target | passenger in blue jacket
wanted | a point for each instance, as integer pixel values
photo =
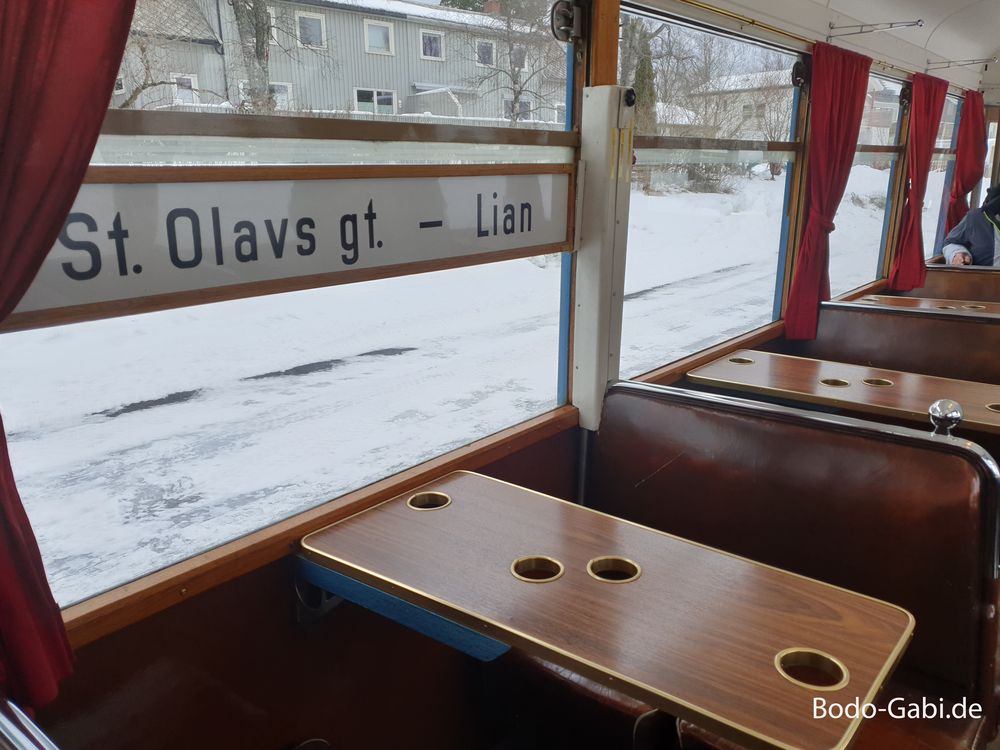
(975, 240)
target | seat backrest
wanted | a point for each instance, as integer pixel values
(959, 283)
(928, 343)
(885, 511)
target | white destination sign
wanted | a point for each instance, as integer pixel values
(127, 241)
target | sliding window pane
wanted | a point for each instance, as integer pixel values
(139, 441)
(703, 244)
(880, 120)
(936, 201)
(856, 244)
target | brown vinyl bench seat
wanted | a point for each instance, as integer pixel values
(889, 512)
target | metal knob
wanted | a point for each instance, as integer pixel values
(945, 415)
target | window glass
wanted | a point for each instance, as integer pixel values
(176, 431)
(484, 54)
(703, 245)
(694, 83)
(432, 45)
(857, 241)
(988, 177)
(522, 112)
(379, 37)
(310, 31)
(185, 89)
(705, 224)
(495, 51)
(936, 201)
(880, 120)
(947, 131)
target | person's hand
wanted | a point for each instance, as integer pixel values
(961, 259)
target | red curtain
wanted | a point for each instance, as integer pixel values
(839, 86)
(970, 161)
(926, 104)
(58, 63)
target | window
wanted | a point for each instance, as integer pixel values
(431, 45)
(281, 92)
(192, 427)
(524, 109)
(705, 224)
(378, 37)
(272, 17)
(862, 221)
(185, 88)
(375, 101)
(119, 85)
(311, 28)
(561, 114)
(485, 53)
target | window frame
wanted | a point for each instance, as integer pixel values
(493, 54)
(368, 24)
(272, 17)
(299, 14)
(375, 92)
(196, 99)
(432, 32)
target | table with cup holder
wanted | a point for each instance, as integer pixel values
(740, 647)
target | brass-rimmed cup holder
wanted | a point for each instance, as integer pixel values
(614, 569)
(834, 382)
(973, 307)
(429, 501)
(811, 669)
(741, 360)
(536, 569)
(993, 407)
(877, 382)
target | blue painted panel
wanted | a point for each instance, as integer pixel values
(415, 618)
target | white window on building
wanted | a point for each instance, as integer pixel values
(431, 45)
(282, 93)
(272, 17)
(311, 29)
(375, 101)
(119, 85)
(485, 53)
(185, 88)
(561, 114)
(379, 37)
(523, 109)
(747, 111)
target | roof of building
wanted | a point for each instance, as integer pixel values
(174, 19)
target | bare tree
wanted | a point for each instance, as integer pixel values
(526, 59)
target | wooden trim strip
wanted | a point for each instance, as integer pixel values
(674, 371)
(866, 148)
(116, 609)
(151, 174)
(952, 151)
(137, 305)
(714, 144)
(138, 122)
(872, 287)
(605, 21)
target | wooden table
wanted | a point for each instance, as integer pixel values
(922, 304)
(697, 633)
(902, 395)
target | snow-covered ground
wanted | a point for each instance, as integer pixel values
(139, 441)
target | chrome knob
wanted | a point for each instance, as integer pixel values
(945, 415)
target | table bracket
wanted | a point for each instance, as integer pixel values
(340, 587)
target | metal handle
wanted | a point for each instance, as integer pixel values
(945, 415)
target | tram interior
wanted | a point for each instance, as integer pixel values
(689, 270)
